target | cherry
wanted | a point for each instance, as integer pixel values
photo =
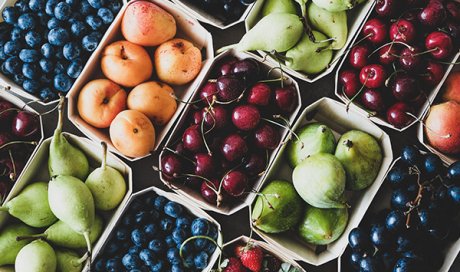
(267, 137)
(192, 139)
(403, 31)
(286, 98)
(397, 115)
(193, 182)
(11, 170)
(350, 82)
(6, 112)
(235, 183)
(411, 16)
(208, 92)
(388, 54)
(226, 65)
(246, 117)
(229, 88)
(215, 117)
(197, 117)
(248, 69)
(234, 147)
(385, 8)
(453, 10)
(376, 31)
(208, 190)
(373, 76)
(433, 14)
(359, 56)
(180, 149)
(415, 3)
(255, 163)
(441, 43)
(5, 137)
(410, 60)
(259, 94)
(453, 28)
(405, 88)
(204, 165)
(171, 166)
(373, 100)
(433, 73)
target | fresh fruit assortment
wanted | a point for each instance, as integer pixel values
(158, 234)
(400, 57)
(225, 139)
(314, 204)
(420, 224)
(54, 223)
(128, 101)
(44, 45)
(20, 132)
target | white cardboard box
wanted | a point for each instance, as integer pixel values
(187, 28)
(356, 18)
(195, 196)
(334, 115)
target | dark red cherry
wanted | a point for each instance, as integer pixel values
(373, 100)
(259, 94)
(376, 31)
(171, 166)
(248, 69)
(208, 92)
(235, 183)
(193, 182)
(386, 8)
(411, 60)
(440, 43)
(12, 171)
(388, 54)
(215, 117)
(286, 98)
(350, 82)
(204, 165)
(225, 66)
(5, 137)
(6, 112)
(405, 88)
(434, 14)
(373, 76)
(453, 10)
(397, 115)
(453, 29)
(255, 163)
(229, 88)
(246, 117)
(193, 139)
(197, 117)
(267, 137)
(359, 56)
(403, 31)
(411, 16)
(433, 73)
(234, 147)
(208, 190)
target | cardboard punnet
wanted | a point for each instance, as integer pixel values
(187, 28)
(195, 196)
(6, 95)
(356, 17)
(382, 201)
(197, 11)
(449, 159)
(335, 116)
(37, 170)
(172, 197)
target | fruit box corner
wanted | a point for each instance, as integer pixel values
(334, 115)
(191, 194)
(356, 18)
(188, 28)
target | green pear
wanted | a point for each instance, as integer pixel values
(333, 24)
(337, 5)
(7, 269)
(68, 261)
(9, 247)
(278, 6)
(322, 226)
(106, 184)
(276, 31)
(313, 138)
(72, 202)
(310, 57)
(31, 206)
(64, 158)
(320, 181)
(62, 235)
(361, 156)
(38, 256)
(278, 208)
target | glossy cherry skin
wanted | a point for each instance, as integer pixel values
(204, 165)
(373, 76)
(388, 54)
(171, 166)
(197, 117)
(215, 117)
(359, 55)
(193, 139)
(433, 73)
(405, 88)
(259, 95)
(234, 147)
(397, 115)
(385, 8)
(453, 28)
(403, 31)
(350, 82)
(6, 112)
(453, 10)
(410, 60)
(25, 124)
(229, 88)
(255, 163)
(208, 92)
(225, 66)
(373, 100)
(246, 117)
(248, 69)
(377, 31)
(235, 183)
(267, 137)
(286, 98)
(208, 190)
(433, 14)
(441, 42)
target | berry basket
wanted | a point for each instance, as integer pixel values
(334, 115)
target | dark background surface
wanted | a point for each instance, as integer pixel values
(238, 224)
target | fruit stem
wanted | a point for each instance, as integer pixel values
(348, 144)
(81, 260)
(428, 128)
(286, 126)
(60, 123)
(218, 245)
(280, 67)
(88, 245)
(203, 135)
(395, 72)
(17, 142)
(4, 209)
(225, 48)
(179, 154)
(391, 45)
(426, 52)
(31, 237)
(104, 155)
(13, 175)
(357, 94)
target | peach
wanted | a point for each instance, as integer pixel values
(177, 61)
(147, 24)
(132, 133)
(155, 100)
(452, 87)
(100, 101)
(443, 127)
(126, 63)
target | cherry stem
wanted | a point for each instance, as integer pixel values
(448, 63)
(280, 67)
(391, 45)
(17, 142)
(231, 101)
(179, 154)
(395, 72)
(424, 125)
(13, 175)
(426, 52)
(203, 135)
(286, 126)
(357, 94)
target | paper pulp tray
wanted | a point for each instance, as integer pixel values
(6, 95)
(356, 17)
(381, 201)
(449, 159)
(195, 196)
(37, 170)
(201, 14)
(187, 28)
(18, 89)
(172, 197)
(334, 115)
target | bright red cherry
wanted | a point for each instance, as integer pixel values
(440, 43)
(286, 98)
(403, 31)
(388, 54)
(235, 183)
(376, 31)
(433, 73)
(373, 100)
(385, 8)
(397, 115)
(246, 117)
(259, 94)
(373, 76)
(204, 165)
(433, 14)
(350, 82)
(411, 59)
(359, 56)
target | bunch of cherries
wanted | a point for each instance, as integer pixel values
(234, 123)
(401, 55)
(19, 134)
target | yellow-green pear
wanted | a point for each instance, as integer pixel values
(68, 261)
(333, 24)
(278, 6)
(38, 256)
(9, 247)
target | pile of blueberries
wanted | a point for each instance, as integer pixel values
(150, 235)
(228, 10)
(44, 44)
(422, 223)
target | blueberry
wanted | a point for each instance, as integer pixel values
(33, 39)
(46, 65)
(122, 234)
(380, 236)
(114, 265)
(157, 245)
(29, 55)
(98, 35)
(183, 222)
(60, 53)
(3, 56)
(112, 248)
(10, 15)
(127, 220)
(59, 68)
(93, 21)
(410, 155)
(454, 193)
(99, 265)
(62, 11)
(58, 36)
(213, 232)
(46, 79)
(78, 28)
(201, 260)
(16, 34)
(170, 241)
(200, 226)
(3, 69)
(62, 83)
(173, 209)
(131, 261)
(27, 21)
(71, 51)
(179, 235)
(188, 261)
(406, 265)
(74, 17)
(157, 267)
(114, 6)
(12, 48)
(106, 15)
(154, 215)
(150, 230)
(453, 171)
(173, 256)
(210, 248)
(49, 7)
(90, 42)
(72, 3)
(19, 78)
(53, 23)
(134, 250)
(96, 4)
(177, 268)
(31, 70)
(74, 69)
(141, 217)
(37, 5)
(368, 264)
(358, 239)
(166, 224)
(395, 221)
(13, 65)
(159, 203)
(85, 7)
(187, 248)
(138, 237)
(47, 95)
(31, 86)
(147, 256)
(200, 243)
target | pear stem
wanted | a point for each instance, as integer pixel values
(104, 155)
(60, 123)
(88, 244)
(4, 209)
(225, 48)
(31, 237)
(81, 260)
(348, 143)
